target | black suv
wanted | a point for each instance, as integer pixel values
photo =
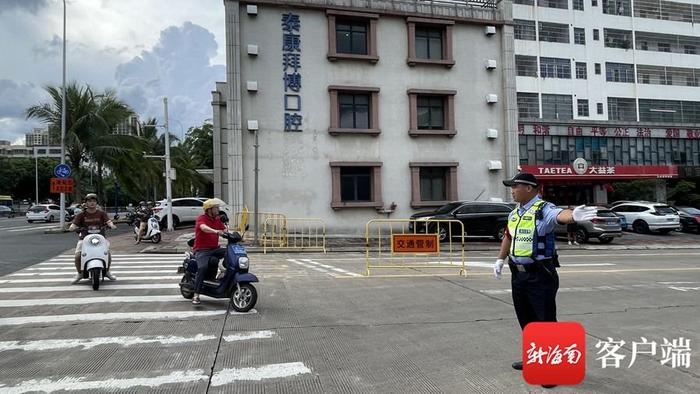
(479, 218)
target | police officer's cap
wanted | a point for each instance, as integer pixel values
(522, 178)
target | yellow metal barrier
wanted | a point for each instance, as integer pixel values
(414, 244)
(243, 219)
(281, 233)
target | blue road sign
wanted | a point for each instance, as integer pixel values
(62, 171)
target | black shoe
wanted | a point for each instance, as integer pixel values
(518, 365)
(549, 386)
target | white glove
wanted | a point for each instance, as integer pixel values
(498, 268)
(583, 213)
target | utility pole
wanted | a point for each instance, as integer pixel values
(62, 220)
(168, 188)
(36, 176)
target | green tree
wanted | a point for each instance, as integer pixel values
(634, 190)
(199, 143)
(684, 193)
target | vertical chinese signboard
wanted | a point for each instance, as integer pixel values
(291, 63)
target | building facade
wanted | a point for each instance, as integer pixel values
(364, 109)
(38, 137)
(611, 82)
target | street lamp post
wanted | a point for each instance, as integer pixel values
(62, 221)
(166, 157)
(36, 176)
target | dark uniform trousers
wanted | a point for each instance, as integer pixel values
(534, 292)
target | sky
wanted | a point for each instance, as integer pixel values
(143, 49)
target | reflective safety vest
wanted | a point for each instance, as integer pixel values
(525, 241)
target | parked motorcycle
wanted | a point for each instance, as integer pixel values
(94, 256)
(235, 283)
(152, 230)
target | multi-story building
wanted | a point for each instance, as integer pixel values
(38, 137)
(129, 126)
(365, 108)
(613, 83)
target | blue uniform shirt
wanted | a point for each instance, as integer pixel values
(545, 225)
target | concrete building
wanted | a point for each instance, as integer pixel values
(38, 137)
(612, 83)
(23, 151)
(365, 109)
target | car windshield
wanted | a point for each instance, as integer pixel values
(448, 207)
(605, 213)
(690, 210)
(664, 210)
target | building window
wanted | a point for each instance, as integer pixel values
(579, 36)
(599, 108)
(528, 105)
(620, 108)
(594, 3)
(524, 30)
(354, 110)
(551, 67)
(429, 41)
(433, 183)
(554, 32)
(615, 38)
(664, 47)
(596, 34)
(526, 66)
(644, 78)
(581, 70)
(670, 111)
(352, 35)
(524, 2)
(557, 106)
(617, 7)
(578, 5)
(690, 50)
(582, 107)
(619, 72)
(643, 45)
(431, 112)
(561, 4)
(597, 68)
(356, 185)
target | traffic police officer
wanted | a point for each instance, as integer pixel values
(529, 245)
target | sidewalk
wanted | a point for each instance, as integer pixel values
(176, 243)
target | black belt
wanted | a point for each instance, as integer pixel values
(532, 267)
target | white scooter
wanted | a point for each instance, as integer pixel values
(94, 256)
(152, 230)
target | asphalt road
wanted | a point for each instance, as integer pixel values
(320, 326)
(23, 244)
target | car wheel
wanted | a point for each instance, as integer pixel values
(581, 235)
(605, 240)
(640, 227)
(30, 221)
(164, 222)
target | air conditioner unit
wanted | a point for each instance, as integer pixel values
(252, 86)
(492, 134)
(253, 50)
(490, 30)
(491, 64)
(495, 165)
(252, 125)
(491, 98)
(252, 9)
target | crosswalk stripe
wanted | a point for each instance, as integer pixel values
(67, 279)
(110, 287)
(119, 262)
(89, 343)
(132, 255)
(88, 300)
(29, 226)
(114, 265)
(271, 371)
(122, 316)
(73, 273)
(171, 258)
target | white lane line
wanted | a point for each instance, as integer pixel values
(271, 371)
(125, 316)
(137, 258)
(80, 383)
(131, 255)
(89, 343)
(589, 289)
(19, 230)
(114, 265)
(29, 227)
(109, 287)
(87, 300)
(630, 254)
(244, 336)
(311, 267)
(682, 288)
(330, 267)
(67, 279)
(677, 283)
(73, 273)
(587, 264)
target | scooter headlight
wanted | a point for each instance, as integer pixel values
(94, 241)
(243, 262)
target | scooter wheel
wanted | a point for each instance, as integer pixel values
(155, 239)
(95, 275)
(244, 299)
(185, 289)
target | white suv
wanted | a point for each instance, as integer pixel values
(185, 209)
(649, 216)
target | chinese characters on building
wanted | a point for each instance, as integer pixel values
(291, 63)
(675, 353)
(601, 131)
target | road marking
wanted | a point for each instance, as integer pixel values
(125, 316)
(116, 262)
(310, 267)
(271, 371)
(330, 267)
(114, 265)
(89, 343)
(109, 287)
(132, 255)
(121, 278)
(73, 273)
(80, 383)
(678, 283)
(681, 288)
(125, 259)
(588, 288)
(244, 336)
(88, 300)
(19, 230)
(29, 227)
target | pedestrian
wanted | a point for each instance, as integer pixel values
(571, 230)
(529, 245)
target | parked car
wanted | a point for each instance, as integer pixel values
(649, 216)
(44, 212)
(185, 209)
(690, 219)
(6, 212)
(623, 221)
(479, 218)
(605, 226)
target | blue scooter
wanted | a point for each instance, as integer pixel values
(236, 283)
